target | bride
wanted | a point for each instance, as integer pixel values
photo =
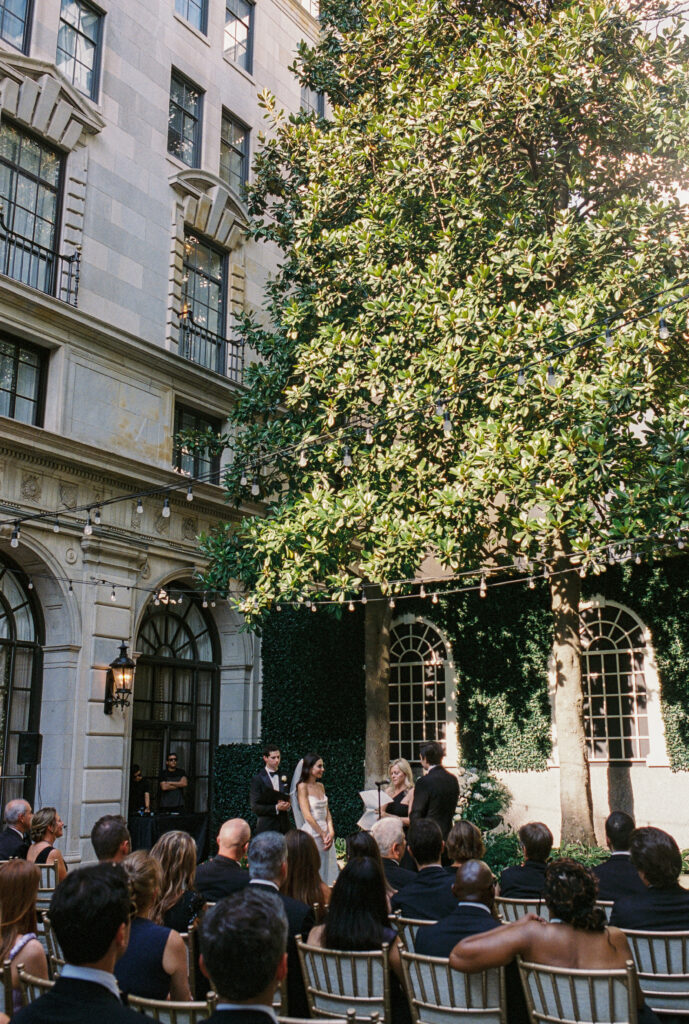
(312, 814)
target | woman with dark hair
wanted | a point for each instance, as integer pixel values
(576, 936)
(464, 842)
(18, 942)
(303, 864)
(312, 814)
(362, 844)
(178, 904)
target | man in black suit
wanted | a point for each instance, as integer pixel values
(664, 904)
(527, 881)
(429, 896)
(222, 875)
(13, 841)
(268, 794)
(243, 954)
(90, 912)
(268, 870)
(617, 876)
(389, 835)
(436, 793)
(110, 839)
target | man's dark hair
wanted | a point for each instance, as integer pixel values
(537, 840)
(425, 840)
(86, 910)
(242, 939)
(108, 834)
(270, 748)
(656, 854)
(618, 828)
(432, 752)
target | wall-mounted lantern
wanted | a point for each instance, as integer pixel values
(119, 682)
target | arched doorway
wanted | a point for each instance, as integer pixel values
(176, 693)
(21, 673)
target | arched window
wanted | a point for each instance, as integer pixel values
(176, 693)
(21, 667)
(419, 689)
(613, 665)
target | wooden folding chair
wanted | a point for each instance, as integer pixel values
(662, 964)
(31, 986)
(408, 928)
(46, 887)
(337, 980)
(55, 956)
(350, 1019)
(169, 1012)
(439, 995)
(561, 995)
(7, 986)
(607, 906)
(512, 910)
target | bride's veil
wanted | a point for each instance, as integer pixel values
(296, 809)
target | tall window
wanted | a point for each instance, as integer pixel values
(15, 19)
(184, 122)
(176, 693)
(312, 102)
(21, 381)
(234, 152)
(78, 45)
(239, 25)
(193, 11)
(30, 174)
(20, 675)
(417, 688)
(197, 464)
(204, 284)
(614, 683)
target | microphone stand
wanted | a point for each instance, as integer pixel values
(378, 786)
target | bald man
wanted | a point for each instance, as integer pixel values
(223, 874)
(474, 890)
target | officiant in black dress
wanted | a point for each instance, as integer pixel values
(268, 794)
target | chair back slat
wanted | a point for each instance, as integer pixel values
(557, 995)
(439, 995)
(31, 986)
(337, 980)
(512, 910)
(7, 987)
(407, 928)
(607, 906)
(662, 963)
(168, 1012)
(46, 886)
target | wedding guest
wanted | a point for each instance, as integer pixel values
(18, 941)
(13, 842)
(110, 838)
(429, 896)
(155, 963)
(362, 844)
(178, 903)
(436, 793)
(223, 874)
(527, 881)
(389, 836)
(303, 881)
(46, 827)
(663, 906)
(464, 842)
(617, 876)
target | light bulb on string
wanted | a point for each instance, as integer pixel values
(140, 507)
(637, 558)
(96, 517)
(391, 603)
(56, 526)
(582, 571)
(70, 588)
(16, 534)
(156, 598)
(278, 607)
(663, 329)
(303, 461)
(88, 526)
(551, 379)
(611, 555)
(609, 341)
(350, 606)
(113, 595)
(364, 599)
(308, 602)
(546, 572)
(313, 607)
(243, 480)
(204, 603)
(368, 439)
(434, 599)
(521, 378)
(483, 588)
(190, 493)
(212, 604)
(255, 487)
(346, 457)
(447, 423)
(30, 584)
(422, 591)
(439, 407)
(166, 508)
(532, 583)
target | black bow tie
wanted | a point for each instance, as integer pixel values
(272, 774)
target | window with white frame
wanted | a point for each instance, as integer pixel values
(418, 685)
(613, 663)
(78, 45)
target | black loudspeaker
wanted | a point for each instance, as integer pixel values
(29, 748)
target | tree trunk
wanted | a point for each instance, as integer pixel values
(576, 806)
(377, 638)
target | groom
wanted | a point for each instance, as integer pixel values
(268, 794)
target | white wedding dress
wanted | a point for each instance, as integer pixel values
(319, 811)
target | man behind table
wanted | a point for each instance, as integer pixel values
(173, 782)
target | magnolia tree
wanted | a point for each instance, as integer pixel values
(465, 355)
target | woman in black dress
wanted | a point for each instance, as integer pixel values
(46, 827)
(400, 791)
(178, 903)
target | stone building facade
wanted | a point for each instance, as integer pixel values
(126, 131)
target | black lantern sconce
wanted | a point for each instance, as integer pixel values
(119, 682)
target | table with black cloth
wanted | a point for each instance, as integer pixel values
(145, 829)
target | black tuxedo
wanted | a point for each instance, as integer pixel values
(654, 910)
(617, 877)
(244, 1016)
(71, 1001)
(263, 798)
(12, 844)
(300, 921)
(397, 877)
(525, 882)
(435, 796)
(219, 877)
(429, 896)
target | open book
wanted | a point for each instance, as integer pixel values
(370, 801)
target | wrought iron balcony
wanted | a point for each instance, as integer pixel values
(25, 260)
(202, 346)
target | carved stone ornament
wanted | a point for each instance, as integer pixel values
(162, 525)
(31, 487)
(145, 572)
(68, 495)
(134, 517)
(190, 528)
(70, 556)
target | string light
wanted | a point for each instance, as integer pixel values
(582, 571)
(166, 508)
(532, 583)
(88, 526)
(204, 603)
(422, 591)
(663, 329)
(483, 587)
(368, 439)
(30, 584)
(609, 340)
(278, 607)
(190, 493)
(551, 379)
(391, 603)
(313, 608)
(56, 526)
(350, 606)
(113, 595)
(346, 457)
(140, 507)
(96, 517)
(16, 534)
(521, 377)
(447, 424)
(434, 599)
(303, 461)
(243, 480)
(255, 487)
(70, 588)
(364, 599)
(439, 407)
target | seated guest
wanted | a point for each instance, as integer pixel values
(243, 943)
(429, 896)
(575, 937)
(268, 871)
(18, 943)
(303, 881)
(389, 836)
(178, 904)
(617, 876)
(110, 838)
(362, 844)
(528, 880)
(13, 842)
(464, 842)
(46, 827)
(155, 963)
(663, 906)
(223, 874)
(89, 912)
